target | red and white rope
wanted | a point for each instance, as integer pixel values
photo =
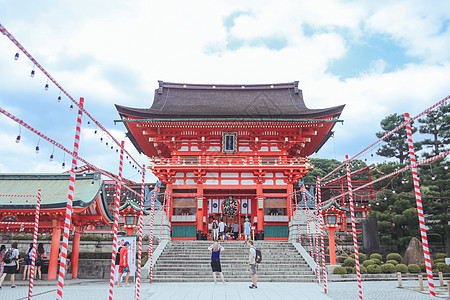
(16, 223)
(316, 224)
(355, 240)
(417, 192)
(68, 217)
(141, 225)
(298, 218)
(439, 103)
(322, 242)
(11, 196)
(34, 252)
(150, 243)
(116, 224)
(58, 145)
(79, 104)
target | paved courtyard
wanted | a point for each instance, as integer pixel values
(234, 290)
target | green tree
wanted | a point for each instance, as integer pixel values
(437, 124)
(396, 144)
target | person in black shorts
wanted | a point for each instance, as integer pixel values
(11, 267)
(215, 260)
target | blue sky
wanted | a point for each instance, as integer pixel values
(378, 58)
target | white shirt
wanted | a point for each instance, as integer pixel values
(222, 226)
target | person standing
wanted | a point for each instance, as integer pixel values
(222, 226)
(252, 265)
(27, 267)
(11, 263)
(236, 231)
(2, 253)
(40, 257)
(116, 269)
(247, 229)
(215, 260)
(124, 267)
(215, 229)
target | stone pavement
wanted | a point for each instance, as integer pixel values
(232, 290)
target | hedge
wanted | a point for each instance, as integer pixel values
(392, 261)
(377, 261)
(376, 256)
(401, 268)
(413, 268)
(440, 255)
(349, 270)
(442, 267)
(439, 260)
(374, 269)
(394, 256)
(362, 270)
(368, 263)
(340, 270)
(388, 268)
(362, 257)
(349, 262)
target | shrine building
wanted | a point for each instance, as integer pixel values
(229, 152)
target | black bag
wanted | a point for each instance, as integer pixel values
(118, 256)
(215, 225)
(38, 258)
(8, 258)
(258, 257)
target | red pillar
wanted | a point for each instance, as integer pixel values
(200, 207)
(170, 204)
(75, 254)
(290, 194)
(260, 207)
(54, 252)
(332, 246)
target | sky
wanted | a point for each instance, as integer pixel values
(377, 57)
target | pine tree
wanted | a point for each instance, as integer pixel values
(436, 123)
(396, 144)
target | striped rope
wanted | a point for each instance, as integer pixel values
(316, 239)
(11, 196)
(141, 225)
(68, 218)
(50, 77)
(417, 192)
(33, 252)
(17, 223)
(355, 240)
(116, 224)
(298, 219)
(150, 243)
(322, 242)
(162, 215)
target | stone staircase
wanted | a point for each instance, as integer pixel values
(189, 261)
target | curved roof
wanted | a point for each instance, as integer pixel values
(54, 187)
(178, 100)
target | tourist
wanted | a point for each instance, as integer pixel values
(222, 226)
(11, 263)
(235, 231)
(247, 229)
(27, 268)
(252, 265)
(215, 230)
(2, 253)
(124, 267)
(40, 258)
(215, 260)
(116, 269)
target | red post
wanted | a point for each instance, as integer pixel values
(417, 192)
(332, 244)
(260, 208)
(199, 208)
(75, 254)
(54, 252)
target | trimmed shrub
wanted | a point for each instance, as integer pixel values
(374, 269)
(376, 256)
(423, 267)
(439, 260)
(377, 261)
(394, 262)
(413, 268)
(442, 267)
(340, 259)
(362, 257)
(388, 268)
(401, 268)
(368, 263)
(349, 270)
(439, 255)
(394, 256)
(349, 262)
(340, 270)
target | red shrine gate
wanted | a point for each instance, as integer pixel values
(210, 142)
